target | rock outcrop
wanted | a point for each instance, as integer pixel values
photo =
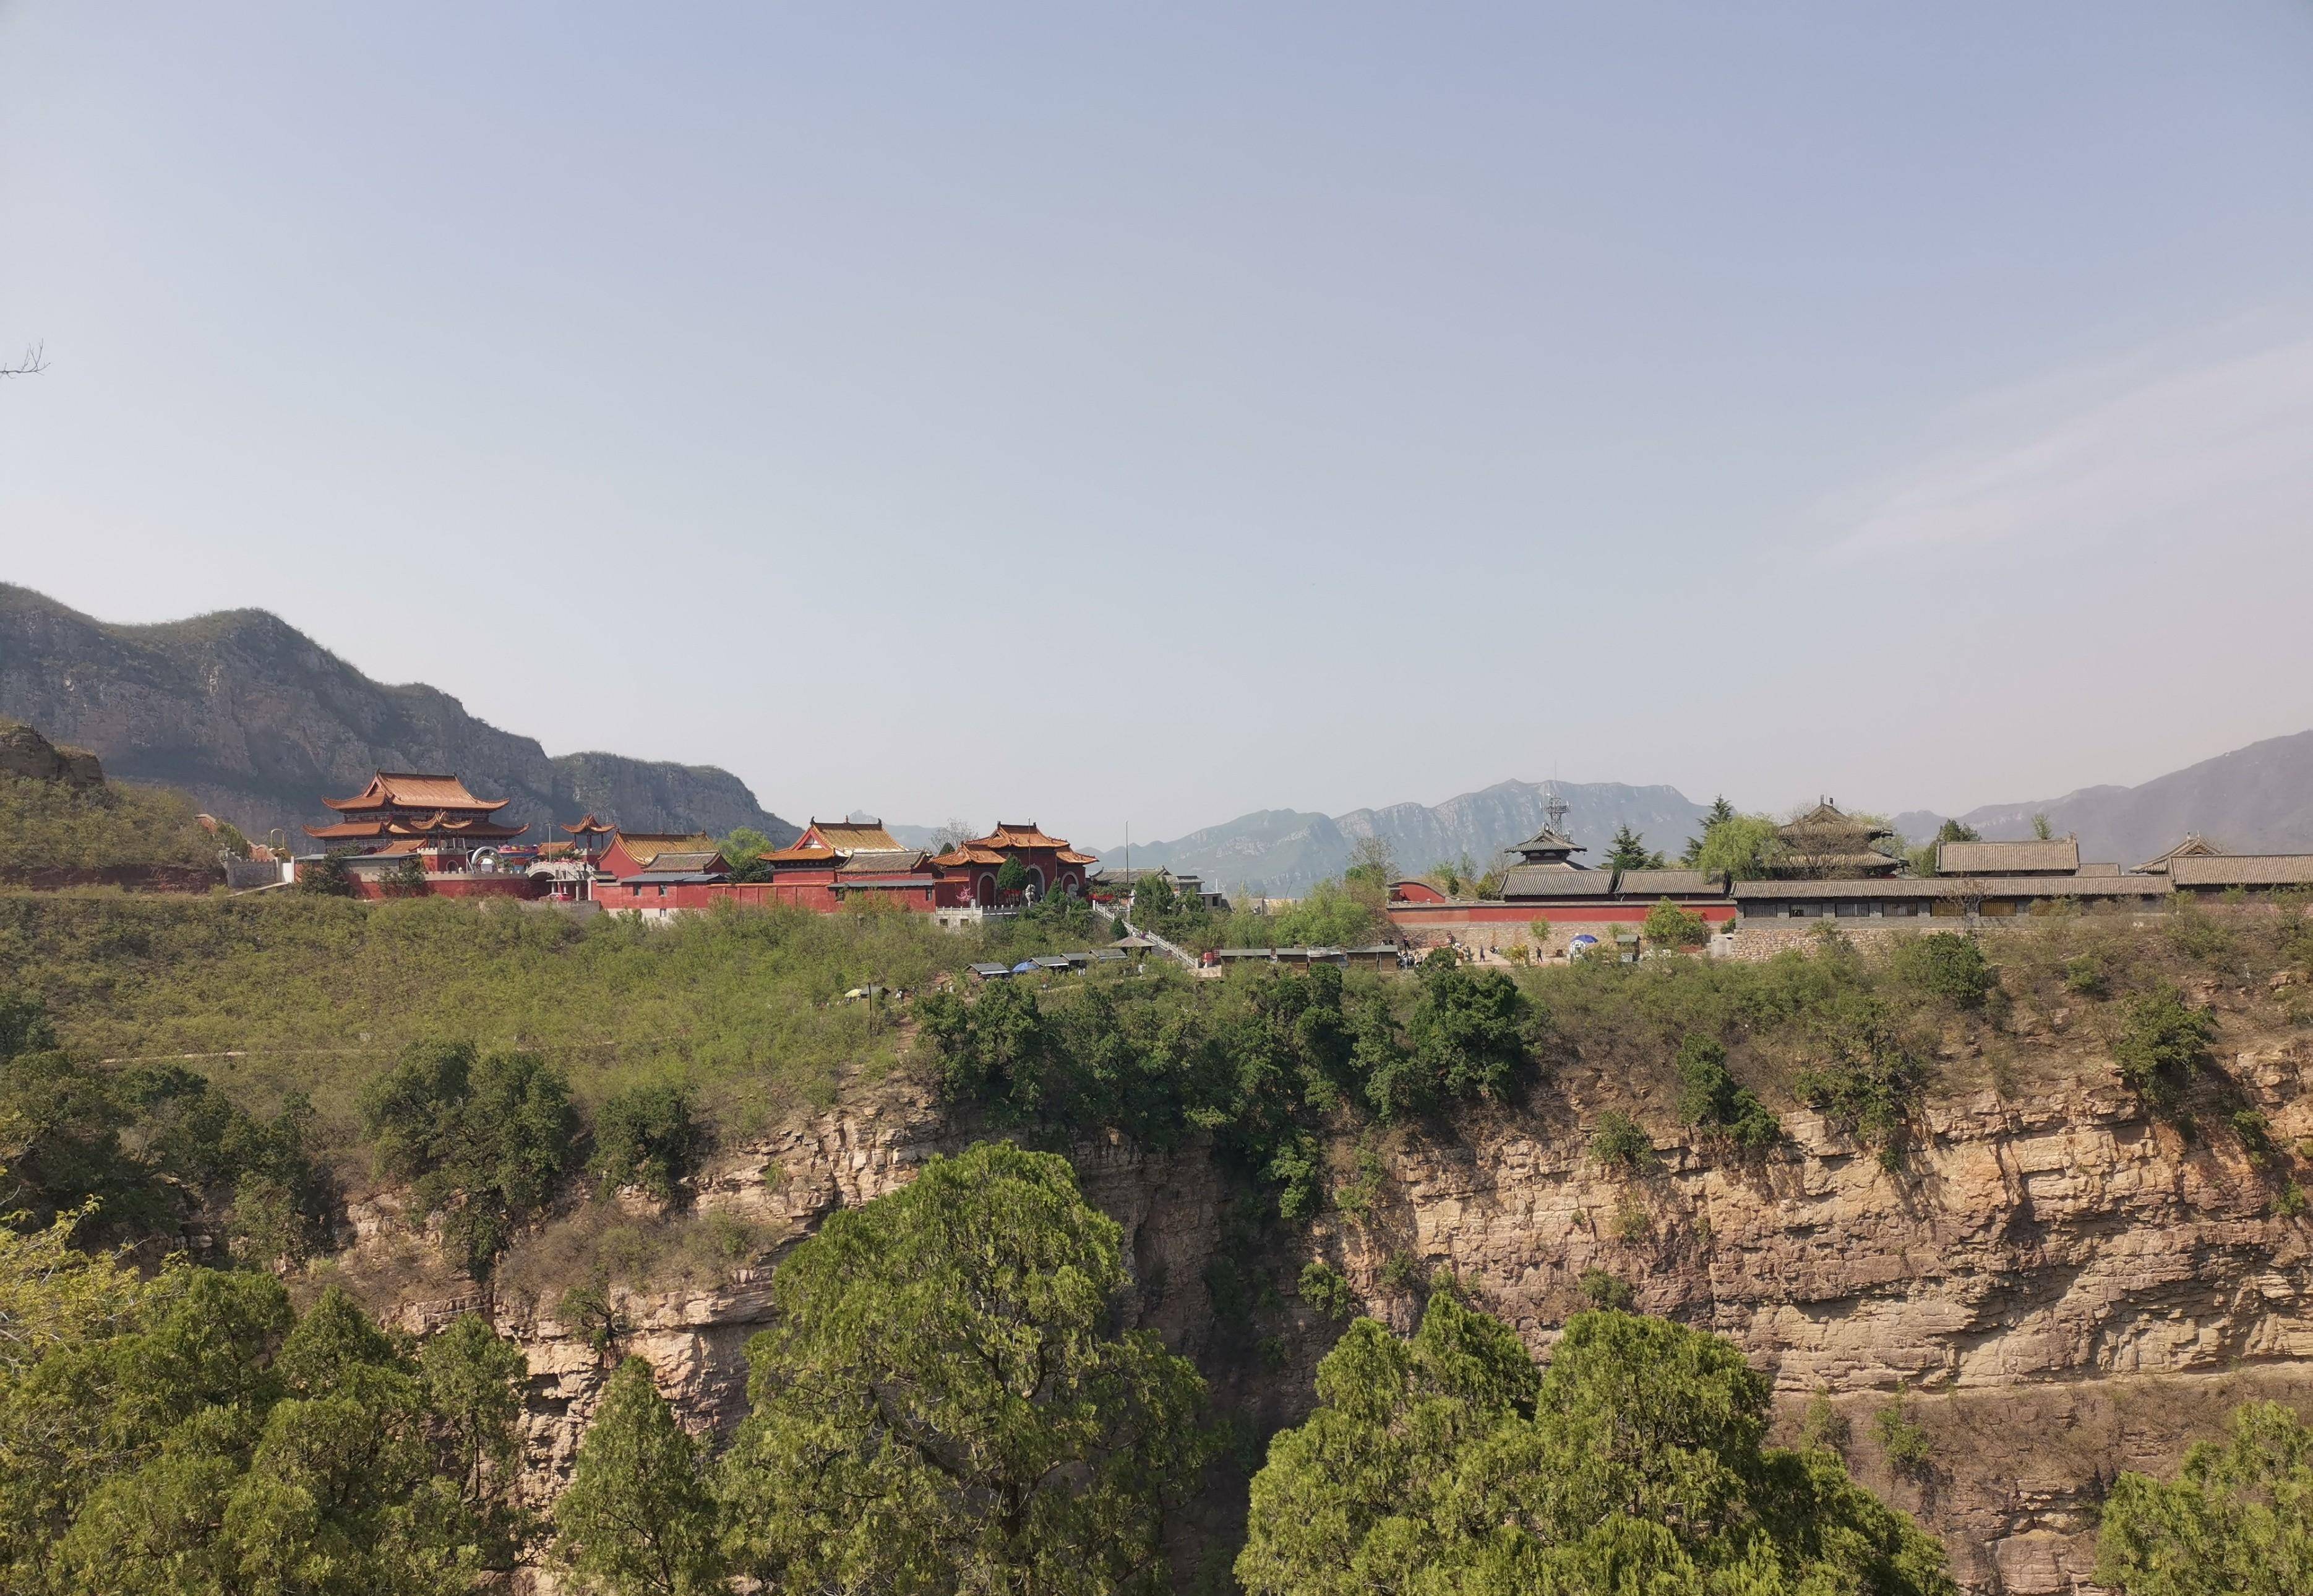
(24, 752)
(2054, 1287)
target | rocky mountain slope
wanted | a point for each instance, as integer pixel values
(256, 721)
(2258, 799)
(1284, 852)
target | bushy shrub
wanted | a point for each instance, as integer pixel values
(2162, 1046)
(1619, 1142)
(1866, 1075)
(2088, 975)
(1946, 964)
(1327, 1290)
(1822, 1426)
(482, 1139)
(1668, 925)
(1602, 1290)
(1709, 1096)
(327, 876)
(1902, 1440)
(648, 1136)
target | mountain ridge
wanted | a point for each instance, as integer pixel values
(257, 722)
(2255, 799)
(1284, 852)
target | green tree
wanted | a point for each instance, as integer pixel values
(744, 852)
(482, 1140)
(327, 876)
(2162, 1045)
(648, 1136)
(1745, 847)
(1668, 925)
(942, 1404)
(202, 1438)
(1948, 964)
(1635, 1464)
(1709, 1096)
(406, 879)
(1628, 851)
(639, 1518)
(1012, 877)
(1465, 1037)
(2043, 828)
(1957, 831)
(2237, 1520)
(1719, 814)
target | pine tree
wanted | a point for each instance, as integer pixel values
(639, 1517)
(1629, 851)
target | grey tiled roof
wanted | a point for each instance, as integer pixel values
(1542, 881)
(2057, 854)
(664, 863)
(2241, 870)
(1671, 883)
(1926, 887)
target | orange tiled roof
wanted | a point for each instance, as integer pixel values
(438, 823)
(970, 853)
(825, 840)
(401, 789)
(1070, 856)
(587, 824)
(1009, 835)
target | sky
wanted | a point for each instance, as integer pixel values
(1108, 415)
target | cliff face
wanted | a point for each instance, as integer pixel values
(2061, 1288)
(257, 722)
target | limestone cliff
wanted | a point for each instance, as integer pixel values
(2062, 1287)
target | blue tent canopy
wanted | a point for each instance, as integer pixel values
(1025, 967)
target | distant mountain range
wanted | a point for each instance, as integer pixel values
(1283, 852)
(2258, 799)
(257, 721)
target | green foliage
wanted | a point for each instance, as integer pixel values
(1627, 850)
(1948, 965)
(1258, 1060)
(1719, 812)
(52, 824)
(319, 996)
(1957, 831)
(1634, 1464)
(1902, 1440)
(744, 852)
(1743, 846)
(1709, 1096)
(2292, 1202)
(197, 1437)
(1822, 1426)
(67, 1129)
(1602, 1290)
(1866, 1074)
(648, 1136)
(1621, 1143)
(639, 1517)
(2237, 1520)
(2162, 1045)
(406, 879)
(2088, 975)
(942, 1404)
(1012, 876)
(1330, 916)
(327, 876)
(482, 1139)
(1668, 925)
(1327, 1290)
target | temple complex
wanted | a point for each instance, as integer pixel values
(973, 866)
(432, 817)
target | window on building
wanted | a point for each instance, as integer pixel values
(1853, 911)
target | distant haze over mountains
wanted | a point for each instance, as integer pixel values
(258, 722)
(1283, 852)
(2258, 799)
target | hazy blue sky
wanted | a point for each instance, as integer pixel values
(1094, 414)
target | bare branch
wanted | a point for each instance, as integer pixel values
(34, 361)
